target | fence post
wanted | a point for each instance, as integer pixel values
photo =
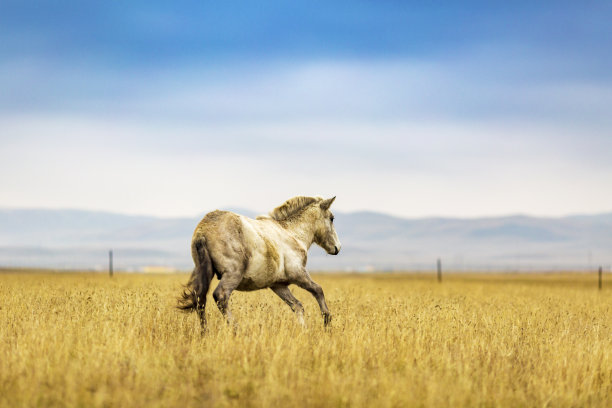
(110, 263)
(600, 273)
(439, 270)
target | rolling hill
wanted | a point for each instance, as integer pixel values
(81, 239)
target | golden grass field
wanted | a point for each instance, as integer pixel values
(84, 339)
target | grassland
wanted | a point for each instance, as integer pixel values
(69, 339)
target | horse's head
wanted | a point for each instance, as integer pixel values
(325, 234)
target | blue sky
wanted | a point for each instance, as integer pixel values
(448, 108)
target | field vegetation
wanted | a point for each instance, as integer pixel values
(397, 340)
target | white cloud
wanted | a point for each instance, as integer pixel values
(407, 137)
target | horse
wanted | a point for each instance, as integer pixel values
(267, 252)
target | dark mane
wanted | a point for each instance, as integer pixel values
(292, 207)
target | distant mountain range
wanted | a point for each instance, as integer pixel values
(371, 241)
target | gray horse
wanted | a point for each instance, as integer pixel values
(268, 252)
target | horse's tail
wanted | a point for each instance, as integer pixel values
(194, 295)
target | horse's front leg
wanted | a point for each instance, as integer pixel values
(284, 293)
(306, 282)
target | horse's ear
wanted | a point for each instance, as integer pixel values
(325, 204)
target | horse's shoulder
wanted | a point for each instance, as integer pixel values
(271, 229)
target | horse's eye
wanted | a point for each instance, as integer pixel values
(331, 218)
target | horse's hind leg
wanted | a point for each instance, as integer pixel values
(222, 293)
(305, 282)
(284, 293)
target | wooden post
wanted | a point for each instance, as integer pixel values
(110, 263)
(439, 270)
(600, 273)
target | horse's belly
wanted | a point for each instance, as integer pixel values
(262, 274)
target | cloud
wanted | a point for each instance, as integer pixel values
(474, 86)
(409, 169)
(490, 128)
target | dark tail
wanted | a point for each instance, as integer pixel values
(194, 295)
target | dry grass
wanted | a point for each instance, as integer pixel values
(397, 340)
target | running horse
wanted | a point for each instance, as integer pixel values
(267, 252)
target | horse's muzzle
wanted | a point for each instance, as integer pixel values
(336, 250)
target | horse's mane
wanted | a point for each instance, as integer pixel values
(292, 207)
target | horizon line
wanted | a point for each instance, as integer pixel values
(238, 208)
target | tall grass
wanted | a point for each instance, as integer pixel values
(396, 340)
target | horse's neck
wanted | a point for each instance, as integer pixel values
(302, 228)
